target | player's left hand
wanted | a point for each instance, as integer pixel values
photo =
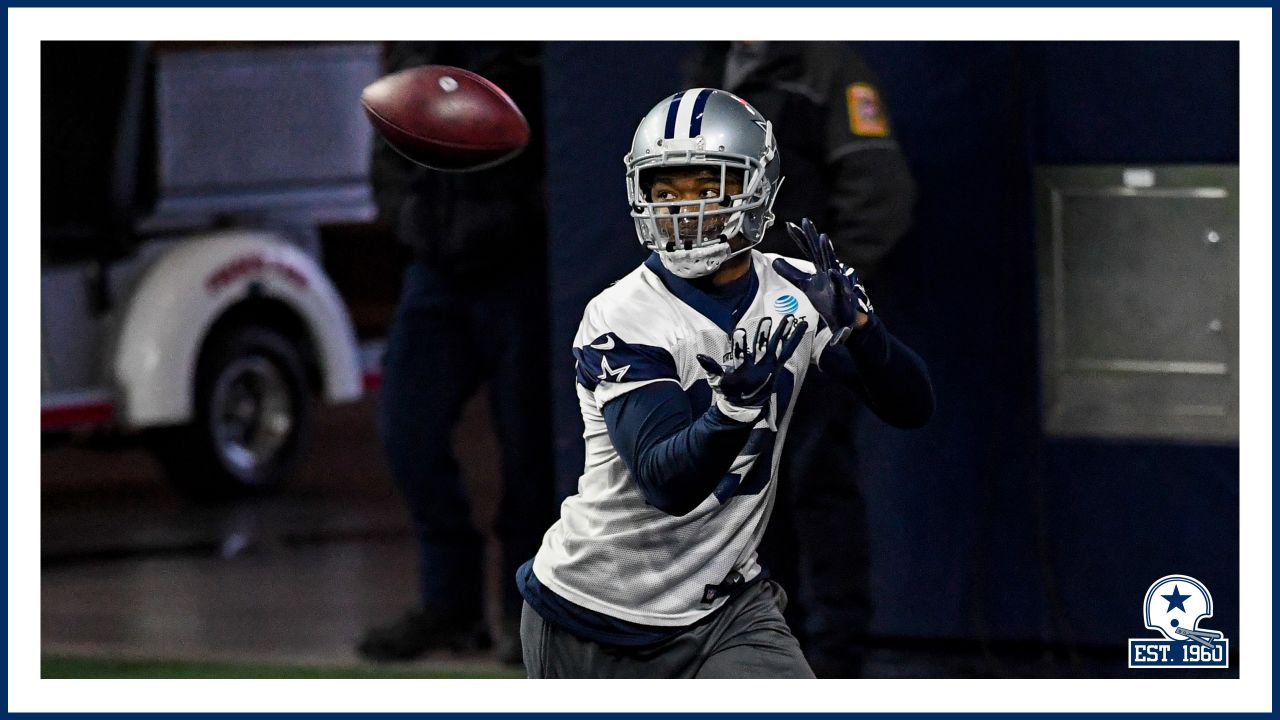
(833, 289)
(742, 390)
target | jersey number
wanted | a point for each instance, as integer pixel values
(759, 443)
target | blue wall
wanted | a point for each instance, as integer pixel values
(596, 95)
(980, 527)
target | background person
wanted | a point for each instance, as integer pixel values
(472, 309)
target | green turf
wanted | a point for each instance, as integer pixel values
(55, 666)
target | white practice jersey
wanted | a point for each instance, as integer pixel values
(610, 551)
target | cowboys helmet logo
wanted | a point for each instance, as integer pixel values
(1175, 606)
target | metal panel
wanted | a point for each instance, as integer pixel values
(1139, 301)
(261, 129)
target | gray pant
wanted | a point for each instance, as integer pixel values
(746, 639)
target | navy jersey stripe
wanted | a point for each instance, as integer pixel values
(584, 623)
(695, 125)
(609, 359)
(672, 110)
(598, 627)
(724, 310)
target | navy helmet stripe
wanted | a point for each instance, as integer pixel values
(695, 125)
(672, 109)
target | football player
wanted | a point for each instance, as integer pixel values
(686, 371)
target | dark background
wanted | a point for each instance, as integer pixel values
(982, 530)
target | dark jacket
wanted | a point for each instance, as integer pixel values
(842, 164)
(462, 223)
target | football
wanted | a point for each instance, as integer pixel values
(446, 118)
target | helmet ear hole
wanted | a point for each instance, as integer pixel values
(645, 179)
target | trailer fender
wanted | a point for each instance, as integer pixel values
(189, 287)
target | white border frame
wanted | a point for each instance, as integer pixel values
(1252, 27)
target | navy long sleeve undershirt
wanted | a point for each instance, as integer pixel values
(677, 460)
(887, 375)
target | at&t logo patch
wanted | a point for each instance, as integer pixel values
(786, 304)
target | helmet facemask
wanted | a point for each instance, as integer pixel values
(690, 224)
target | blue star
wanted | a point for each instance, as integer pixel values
(1175, 600)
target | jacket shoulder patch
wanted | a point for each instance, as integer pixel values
(866, 114)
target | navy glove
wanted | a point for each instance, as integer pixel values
(742, 390)
(833, 289)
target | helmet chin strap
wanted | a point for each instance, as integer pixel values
(701, 261)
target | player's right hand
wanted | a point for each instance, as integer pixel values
(742, 390)
(833, 288)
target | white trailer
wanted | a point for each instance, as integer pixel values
(182, 295)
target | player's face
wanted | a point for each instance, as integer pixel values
(693, 184)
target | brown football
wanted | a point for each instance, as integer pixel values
(446, 118)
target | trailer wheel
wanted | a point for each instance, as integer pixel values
(253, 416)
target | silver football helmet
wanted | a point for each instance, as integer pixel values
(718, 130)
